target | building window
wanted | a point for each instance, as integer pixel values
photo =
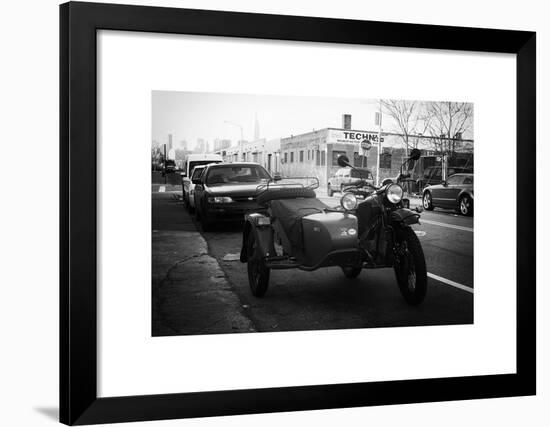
(323, 154)
(301, 156)
(318, 158)
(335, 155)
(291, 156)
(286, 157)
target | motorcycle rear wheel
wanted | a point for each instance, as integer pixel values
(258, 273)
(410, 269)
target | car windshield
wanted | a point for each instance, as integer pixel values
(361, 173)
(236, 174)
(197, 173)
(195, 163)
(432, 173)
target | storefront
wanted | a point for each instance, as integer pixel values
(316, 153)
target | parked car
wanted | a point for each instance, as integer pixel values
(455, 193)
(226, 191)
(169, 166)
(189, 190)
(345, 177)
(192, 161)
(432, 175)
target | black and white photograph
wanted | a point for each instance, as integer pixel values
(276, 213)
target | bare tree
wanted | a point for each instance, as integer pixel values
(447, 122)
(408, 119)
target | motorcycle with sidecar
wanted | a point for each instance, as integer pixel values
(294, 229)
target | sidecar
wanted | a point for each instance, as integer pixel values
(294, 229)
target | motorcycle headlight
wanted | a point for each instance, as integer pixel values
(348, 201)
(220, 199)
(394, 193)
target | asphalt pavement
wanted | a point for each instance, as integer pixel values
(200, 286)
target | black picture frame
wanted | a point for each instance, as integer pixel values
(79, 23)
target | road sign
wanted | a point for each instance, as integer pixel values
(366, 144)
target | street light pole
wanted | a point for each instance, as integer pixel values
(242, 137)
(164, 164)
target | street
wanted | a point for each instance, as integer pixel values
(201, 287)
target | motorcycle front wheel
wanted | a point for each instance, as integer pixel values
(351, 272)
(410, 269)
(258, 273)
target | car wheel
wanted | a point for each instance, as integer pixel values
(258, 273)
(351, 272)
(206, 224)
(427, 201)
(329, 191)
(197, 212)
(466, 206)
(190, 208)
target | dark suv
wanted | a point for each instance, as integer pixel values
(432, 175)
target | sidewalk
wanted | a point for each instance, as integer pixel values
(191, 294)
(166, 188)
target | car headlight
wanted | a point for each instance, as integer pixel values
(348, 201)
(394, 193)
(219, 199)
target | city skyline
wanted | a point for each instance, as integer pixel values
(195, 116)
(191, 116)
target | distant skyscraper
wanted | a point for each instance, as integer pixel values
(256, 128)
(199, 148)
(183, 144)
(221, 144)
(346, 121)
(169, 146)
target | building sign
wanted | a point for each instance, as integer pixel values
(351, 136)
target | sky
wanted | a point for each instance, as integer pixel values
(192, 115)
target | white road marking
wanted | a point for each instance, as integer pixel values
(162, 189)
(442, 224)
(451, 283)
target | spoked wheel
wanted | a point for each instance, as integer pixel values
(351, 272)
(427, 201)
(466, 206)
(258, 273)
(410, 269)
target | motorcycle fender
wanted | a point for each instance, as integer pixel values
(405, 216)
(263, 235)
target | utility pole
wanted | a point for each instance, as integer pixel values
(164, 164)
(378, 121)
